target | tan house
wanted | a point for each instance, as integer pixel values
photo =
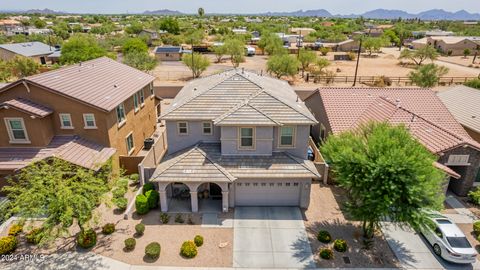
(169, 53)
(449, 44)
(84, 113)
(37, 51)
(302, 31)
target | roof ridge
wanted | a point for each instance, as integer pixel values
(293, 108)
(302, 163)
(180, 158)
(237, 106)
(266, 115)
(220, 168)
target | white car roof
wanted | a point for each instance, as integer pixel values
(450, 229)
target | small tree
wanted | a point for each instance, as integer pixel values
(134, 28)
(134, 45)
(23, 66)
(318, 67)
(427, 75)
(386, 173)
(282, 65)
(81, 47)
(306, 58)
(5, 71)
(236, 49)
(420, 55)
(271, 43)
(372, 44)
(475, 83)
(198, 65)
(466, 53)
(140, 60)
(219, 51)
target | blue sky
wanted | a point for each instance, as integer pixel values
(239, 6)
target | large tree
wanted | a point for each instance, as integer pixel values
(420, 55)
(387, 174)
(196, 62)
(134, 45)
(79, 48)
(23, 66)
(271, 43)
(373, 44)
(170, 25)
(282, 65)
(306, 58)
(236, 49)
(61, 192)
(140, 60)
(427, 75)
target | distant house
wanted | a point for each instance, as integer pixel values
(327, 24)
(449, 45)
(38, 51)
(436, 33)
(240, 31)
(420, 110)
(152, 34)
(463, 102)
(169, 53)
(303, 31)
(7, 25)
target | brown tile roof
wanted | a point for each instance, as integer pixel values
(420, 110)
(204, 163)
(102, 82)
(464, 103)
(213, 97)
(27, 106)
(73, 149)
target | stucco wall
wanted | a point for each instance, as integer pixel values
(263, 137)
(195, 135)
(468, 173)
(39, 130)
(301, 141)
(475, 135)
(315, 105)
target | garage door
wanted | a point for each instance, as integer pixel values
(267, 193)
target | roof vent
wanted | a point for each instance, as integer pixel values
(474, 116)
(194, 89)
(115, 86)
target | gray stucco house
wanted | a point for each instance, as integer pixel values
(237, 137)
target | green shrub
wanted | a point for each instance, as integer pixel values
(121, 203)
(140, 228)
(179, 219)
(340, 245)
(476, 227)
(87, 238)
(108, 228)
(152, 198)
(324, 237)
(198, 240)
(147, 187)
(188, 249)
(326, 253)
(15, 230)
(165, 218)
(135, 177)
(123, 183)
(8, 244)
(119, 192)
(475, 83)
(34, 236)
(152, 250)
(474, 196)
(130, 244)
(141, 204)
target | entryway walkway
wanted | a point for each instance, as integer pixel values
(270, 237)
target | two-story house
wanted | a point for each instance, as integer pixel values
(419, 110)
(84, 113)
(237, 137)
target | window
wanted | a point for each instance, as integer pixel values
(246, 138)
(16, 130)
(207, 128)
(151, 89)
(136, 103)
(89, 120)
(255, 184)
(272, 184)
(279, 184)
(129, 142)
(264, 184)
(287, 184)
(66, 121)
(120, 114)
(458, 160)
(239, 184)
(182, 128)
(295, 184)
(287, 136)
(141, 96)
(247, 184)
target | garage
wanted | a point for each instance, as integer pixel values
(267, 193)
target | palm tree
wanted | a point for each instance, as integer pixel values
(201, 12)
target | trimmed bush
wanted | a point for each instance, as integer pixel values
(198, 240)
(130, 243)
(121, 203)
(123, 183)
(165, 218)
(152, 198)
(135, 177)
(140, 228)
(87, 238)
(8, 244)
(15, 230)
(340, 245)
(152, 250)
(141, 204)
(326, 253)
(474, 195)
(34, 236)
(179, 219)
(147, 187)
(476, 227)
(119, 192)
(188, 249)
(108, 228)
(324, 237)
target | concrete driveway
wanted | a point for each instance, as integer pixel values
(270, 237)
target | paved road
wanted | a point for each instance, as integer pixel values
(270, 237)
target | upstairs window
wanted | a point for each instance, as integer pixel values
(120, 114)
(16, 130)
(129, 143)
(207, 128)
(141, 97)
(151, 89)
(246, 137)
(66, 121)
(89, 120)
(287, 136)
(136, 102)
(182, 128)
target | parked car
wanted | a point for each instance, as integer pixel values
(447, 240)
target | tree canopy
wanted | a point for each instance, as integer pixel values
(170, 25)
(236, 49)
(306, 58)
(386, 174)
(271, 43)
(134, 45)
(81, 48)
(198, 65)
(420, 55)
(427, 75)
(140, 60)
(282, 65)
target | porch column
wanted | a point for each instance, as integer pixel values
(225, 201)
(194, 199)
(163, 201)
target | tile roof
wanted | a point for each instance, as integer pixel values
(204, 163)
(102, 82)
(233, 93)
(463, 102)
(27, 106)
(29, 48)
(420, 110)
(73, 149)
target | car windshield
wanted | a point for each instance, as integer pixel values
(458, 242)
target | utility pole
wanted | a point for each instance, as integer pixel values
(193, 63)
(358, 60)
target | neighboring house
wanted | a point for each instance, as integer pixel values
(463, 102)
(37, 51)
(6, 25)
(82, 113)
(454, 46)
(240, 31)
(420, 110)
(152, 34)
(169, 53)
(238, 137)
(302, 31)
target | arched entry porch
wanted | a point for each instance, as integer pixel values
(178, 197)
(210, 197)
